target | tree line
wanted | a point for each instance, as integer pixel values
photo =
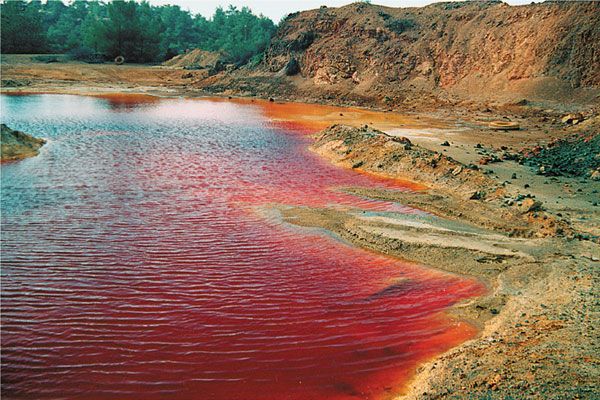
(138, 31)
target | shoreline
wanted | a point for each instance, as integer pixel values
(516, 286)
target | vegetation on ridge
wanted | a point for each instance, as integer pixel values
(138, 31)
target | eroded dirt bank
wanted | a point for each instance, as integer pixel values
(17, 145)
(539, 317)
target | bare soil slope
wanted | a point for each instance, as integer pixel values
(447, 51)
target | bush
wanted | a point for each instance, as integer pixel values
(256, 59)
(46, 58)
(292, 67)
(384, 15)
(400, 25)
(85, 54)
(304, 40)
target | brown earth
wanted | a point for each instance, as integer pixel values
(440, 54)
(195, 58)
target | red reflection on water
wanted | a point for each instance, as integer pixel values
(174, 278)
(125, 102)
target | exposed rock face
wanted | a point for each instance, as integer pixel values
(17, 145)
(371, 51)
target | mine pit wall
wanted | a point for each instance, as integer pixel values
(476, 49)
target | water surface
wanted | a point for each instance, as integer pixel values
(142, 259)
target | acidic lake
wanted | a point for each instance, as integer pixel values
(143, 257)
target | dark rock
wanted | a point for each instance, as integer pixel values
(530, 205)
(292, 67)
(478, 195)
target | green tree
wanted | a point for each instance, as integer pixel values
(120, 29)
(92, 31)
(136, 30)
(181, 31)
(148, 36)
(22, 30)
(238, 33)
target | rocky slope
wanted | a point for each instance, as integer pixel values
(456, 191)
(17, 145)
(446, 51)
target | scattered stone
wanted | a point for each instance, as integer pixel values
(514, 176)
(489, 159)
(445, 143)
(403, 140)
(572, 119)
(457, 170)
(477, 195)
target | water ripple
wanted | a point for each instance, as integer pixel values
(135, 265)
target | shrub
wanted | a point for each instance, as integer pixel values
(85, 54)
(292, 67)
(384, 15)
(256, 59)
(304, 40)
(400, 25)
(46, 58)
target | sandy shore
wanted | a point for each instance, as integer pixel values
(538, 321)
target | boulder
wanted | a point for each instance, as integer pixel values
(529, 205)
(292, 67)
(572, 119)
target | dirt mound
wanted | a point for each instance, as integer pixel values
(195, 59)
(466, 50)
(17, 145)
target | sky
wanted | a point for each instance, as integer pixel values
(277, 9)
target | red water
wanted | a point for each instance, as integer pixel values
(142, 259)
